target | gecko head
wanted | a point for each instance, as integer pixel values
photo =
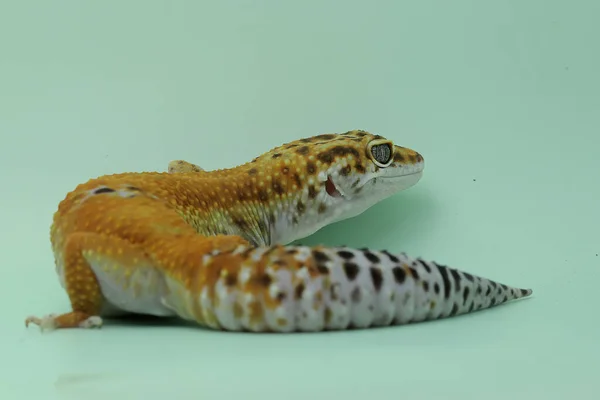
(332, 177)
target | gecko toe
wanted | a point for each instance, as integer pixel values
(91, 322)
(46, 323)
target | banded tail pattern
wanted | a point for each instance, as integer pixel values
(309, 289)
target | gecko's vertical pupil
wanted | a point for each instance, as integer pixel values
(381, 153)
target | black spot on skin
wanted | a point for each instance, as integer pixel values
(398, 157)
(454, 309)
(377, 278)
(312, 192)
(361, 134)
(370, 256)
(424, 265)
(360, 168)
(505, 299)
(472, 306)
(456, 277)
(230, 279)
(326, 136)
(493, 303)
(414, 273)
(294, 220)
(271, 218)
(291, 251)
(298, 291)
(345, 254)
(425, 286)
(325, 157)
(465, 295)
(504, 287)
(351, 270)
(306, 140)
(310, 168)
(436, 288)
(345, 171)
(337, 151)
(103, 190)
(323, 270)
(246, 253)
(493, 284)
(444, 272)
(264, 280)
(355, 295)
(523, 292)
(240, 223)
(488, 291)
(303, 150)
(252, 171)
(277, 187)
(276, 155)
(133, 188)
(297, 180)
(319, 256)
(281, 296)
(322, 208)
(469, 277)
(262, 195)
(392, 257)
(300, 207)
(356, 182)
(399, 275)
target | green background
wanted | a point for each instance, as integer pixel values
(501, 98)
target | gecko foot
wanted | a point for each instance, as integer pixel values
(69, 320)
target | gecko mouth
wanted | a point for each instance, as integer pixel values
(331, 189)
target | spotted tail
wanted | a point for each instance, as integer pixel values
(298, 288)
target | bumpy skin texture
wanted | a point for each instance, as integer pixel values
(210, 246)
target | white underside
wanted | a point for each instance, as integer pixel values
(339, 209)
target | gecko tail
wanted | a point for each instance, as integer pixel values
(311, 289)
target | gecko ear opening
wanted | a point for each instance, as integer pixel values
(331, 188)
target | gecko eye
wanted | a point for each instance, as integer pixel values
(381, 153)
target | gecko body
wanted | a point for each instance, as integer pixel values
(213, 246)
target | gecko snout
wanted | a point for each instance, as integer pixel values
(406, 156)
